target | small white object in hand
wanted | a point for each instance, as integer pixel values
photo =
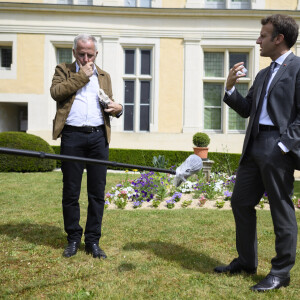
(244, 71)
(103, 98)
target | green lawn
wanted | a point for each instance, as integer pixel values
(152, 254)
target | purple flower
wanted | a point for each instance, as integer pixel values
(176, 197)
(137, 203)
(170, 201)
(227, 194)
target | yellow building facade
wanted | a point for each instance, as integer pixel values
(168, 60)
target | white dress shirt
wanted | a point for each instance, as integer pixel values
(264, 117)
(86, 110)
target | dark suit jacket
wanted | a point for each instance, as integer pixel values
(283, 104)
(65, 83)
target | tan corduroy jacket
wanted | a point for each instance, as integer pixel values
(65, 83)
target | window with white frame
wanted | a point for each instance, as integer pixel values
(236, 4)
(137, 3)
(5, 57)
(85, 2)
(137, 89)
(216, 67)
(215, 3)
(240, 4)
(64, 55)
(69, 2)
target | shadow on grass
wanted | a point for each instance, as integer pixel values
(187, 258)
(33, 286)
(38, 234)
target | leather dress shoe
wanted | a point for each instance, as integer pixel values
(234, 267)
(271, 282)
(71, 249)
(95, 250)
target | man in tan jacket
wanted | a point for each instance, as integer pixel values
(84, 127)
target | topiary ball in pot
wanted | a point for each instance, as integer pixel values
(201, 139)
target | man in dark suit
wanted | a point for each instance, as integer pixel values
(270, 152)
(84, 127)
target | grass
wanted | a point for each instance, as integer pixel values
(152, 254)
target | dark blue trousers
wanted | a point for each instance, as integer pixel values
(89, 145)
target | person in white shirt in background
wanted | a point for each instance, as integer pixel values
(84, 127)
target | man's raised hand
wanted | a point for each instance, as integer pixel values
(234, 76)
(87, 68)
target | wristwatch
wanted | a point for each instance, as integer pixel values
(120, 113)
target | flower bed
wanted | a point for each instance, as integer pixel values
(156, 191)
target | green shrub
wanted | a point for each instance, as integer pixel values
(17, 163)
(223, 162)
(201, 139)
(160, 162)
(145, 157)
(56, 150)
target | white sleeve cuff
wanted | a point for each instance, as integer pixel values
(283, 148)
(229, 93)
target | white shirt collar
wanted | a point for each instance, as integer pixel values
(281, 58)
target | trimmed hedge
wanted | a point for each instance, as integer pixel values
(25, 141)
(56, 150)
(223, 162)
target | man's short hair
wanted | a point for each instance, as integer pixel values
(285, 25)
(84, 37)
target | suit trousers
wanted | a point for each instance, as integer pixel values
(265, 169)
(89, 145)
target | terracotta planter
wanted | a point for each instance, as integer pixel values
(201, 152)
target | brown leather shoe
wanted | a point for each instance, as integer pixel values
(271, 282)
(234, 267)
(95, 250)
(71, 249)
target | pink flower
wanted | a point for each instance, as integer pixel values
(202, 200)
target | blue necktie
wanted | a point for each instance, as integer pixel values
(255, 127)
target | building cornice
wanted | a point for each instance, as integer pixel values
(138, 32)
(140, 12)
(115, 21)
